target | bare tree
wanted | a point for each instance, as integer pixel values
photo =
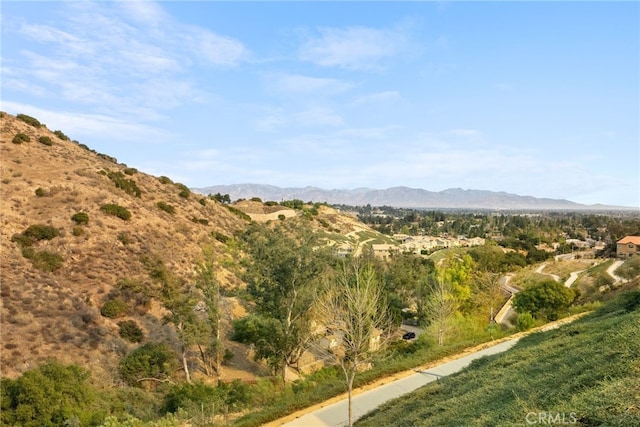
(441, 306)
(354, 309)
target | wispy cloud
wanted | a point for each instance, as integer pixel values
(87, 127)
(121, 58)
(356, 48)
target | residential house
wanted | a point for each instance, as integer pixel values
(628, 247)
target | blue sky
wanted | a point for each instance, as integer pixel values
(535, 98)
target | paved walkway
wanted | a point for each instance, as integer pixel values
(336, 414)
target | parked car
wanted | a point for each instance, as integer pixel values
(409, 336)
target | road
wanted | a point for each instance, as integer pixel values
(336, 414)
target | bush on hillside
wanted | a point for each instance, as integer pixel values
(152, 361)
(128, 185)
(114, 308)
(184, 191)
(130, 171)
(45, 140)
(166, 207)
(43, 260)
(80, 218)
(41, 232)
(165, 180)
(20, 138)
(61, 135)
(130, 331)
(40, 192)
(116, 210)
(29, 120)
(50, 395)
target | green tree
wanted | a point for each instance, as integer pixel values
(150, 362)
(212, 347)
(281, 270)
(50, 395)
(546, 299)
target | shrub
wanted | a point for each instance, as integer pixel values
(152, 361)
(130, 171)
(128, 185)
(525, 322)
(20, 138)
(203, 201)
(29, 120)
(256, 199)
(107, 157)
(77, 231)
(130, 331)
(165, 180)
(61, 135)
(44, 260)
(40, 192)
(38, 232)
(49, 395)
(45, 140)
(124, 238)
(81, 218)
(116, 210)
(166, 207)
(114, 308)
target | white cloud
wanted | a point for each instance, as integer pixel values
(357, 48)
(85, 127)
(120, 58)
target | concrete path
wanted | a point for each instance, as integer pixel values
(336, 414)
(555, 276)
(611, 271)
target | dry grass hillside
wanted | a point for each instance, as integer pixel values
(51, 301)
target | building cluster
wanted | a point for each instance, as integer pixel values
(424, 244)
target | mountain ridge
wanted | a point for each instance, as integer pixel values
(403, 197)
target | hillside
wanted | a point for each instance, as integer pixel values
(405, 197)
(583, 374)
(56, 314)
(78, 256)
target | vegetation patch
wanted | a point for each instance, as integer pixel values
(130, 331)
(45, 140)
(148, 365)
(80, 218)
(116, 210)
(128, 185)
(29, 120)
(61, 135)
(170, 209)
(20, 138)
(114, 308)
(587, 370)
(35, 233)
(43, 260)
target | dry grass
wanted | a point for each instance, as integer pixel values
(54, 314)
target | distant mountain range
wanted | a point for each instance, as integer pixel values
(453, 198)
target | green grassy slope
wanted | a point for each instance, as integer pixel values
(583, 374)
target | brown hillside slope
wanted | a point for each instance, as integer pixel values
(57, 314)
